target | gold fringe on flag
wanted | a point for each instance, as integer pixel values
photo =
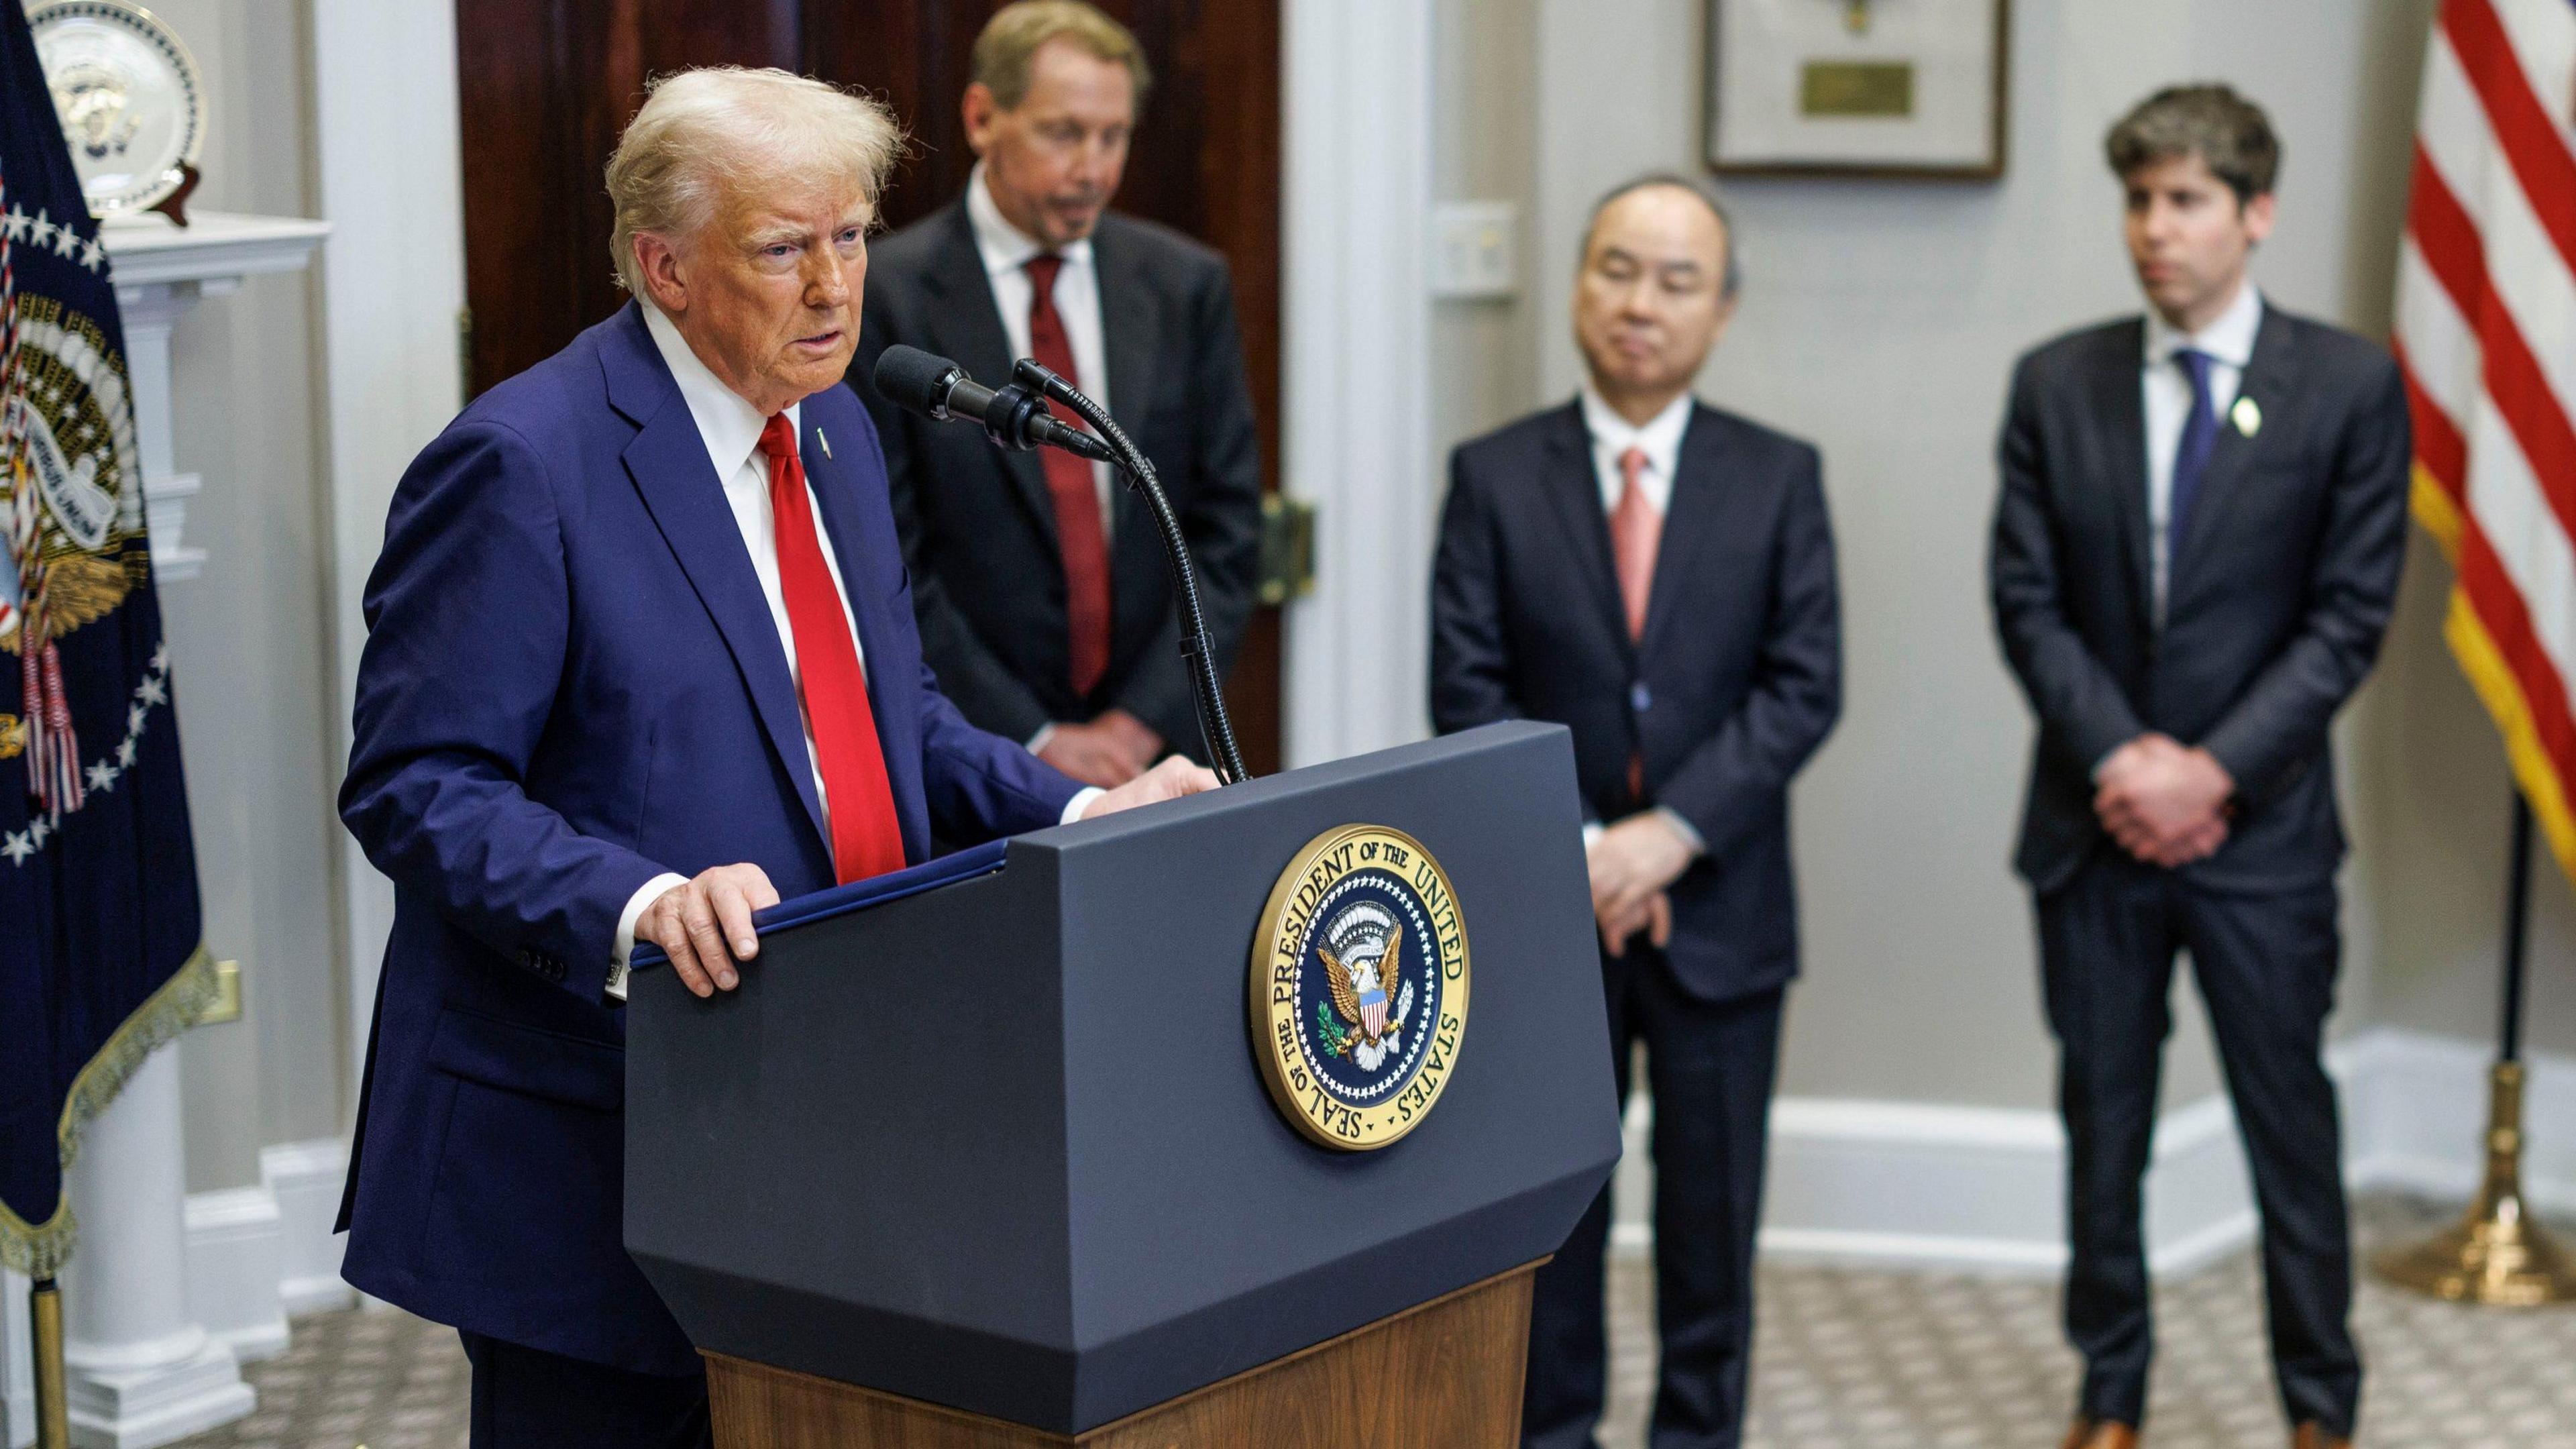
(39, 1250)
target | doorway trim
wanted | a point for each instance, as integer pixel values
(393, 295)
(1355, 377)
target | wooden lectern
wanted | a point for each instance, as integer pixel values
(979, 1154)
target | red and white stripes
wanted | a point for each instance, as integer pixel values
(2486, 332)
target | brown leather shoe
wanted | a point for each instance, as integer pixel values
(2088, 1434)
(2312, 1437)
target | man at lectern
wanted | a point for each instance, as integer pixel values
(1658, 575)
(641, 660)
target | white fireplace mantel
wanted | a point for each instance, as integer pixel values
(161, 271)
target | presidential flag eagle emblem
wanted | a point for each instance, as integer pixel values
(1358, 993)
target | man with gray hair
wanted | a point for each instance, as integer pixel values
(1659, 576)
(2196, 549)
(1044, 599)
(640, 661)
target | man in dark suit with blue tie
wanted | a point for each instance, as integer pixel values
(640, 660)
(2202, 521)
(1658, 575)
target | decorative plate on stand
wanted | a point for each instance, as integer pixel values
(129, 99)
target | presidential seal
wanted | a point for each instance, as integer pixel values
(1359, 987)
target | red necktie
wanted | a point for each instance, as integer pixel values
(1079, 535)
(866, 838)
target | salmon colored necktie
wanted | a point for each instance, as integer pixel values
(1636, 532)
(1080, 535)
(866, 838)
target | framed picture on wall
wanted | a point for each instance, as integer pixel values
(1890, 88)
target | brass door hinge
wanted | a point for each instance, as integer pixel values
(1287, 548)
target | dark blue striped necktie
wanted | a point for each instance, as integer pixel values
(2191, 459)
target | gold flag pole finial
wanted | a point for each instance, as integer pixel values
(53, 1412)
(2497, 1254)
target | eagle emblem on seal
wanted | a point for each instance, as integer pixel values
(1365, 989)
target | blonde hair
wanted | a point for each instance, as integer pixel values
(1009, 46)
(701, 130)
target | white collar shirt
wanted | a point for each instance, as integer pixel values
(1660, 440)
(1006, 251)
(2166, 390)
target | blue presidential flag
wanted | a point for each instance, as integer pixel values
(99, 956)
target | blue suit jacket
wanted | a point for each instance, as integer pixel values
(571, 684)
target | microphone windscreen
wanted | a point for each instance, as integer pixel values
(913, 379)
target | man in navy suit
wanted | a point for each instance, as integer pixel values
(641, 660)
(1658, 575)
(2196, 549)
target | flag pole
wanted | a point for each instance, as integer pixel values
(2496, 1254)
(53, 1413)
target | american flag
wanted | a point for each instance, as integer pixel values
(2486, 331)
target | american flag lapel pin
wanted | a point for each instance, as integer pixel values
(822, 438)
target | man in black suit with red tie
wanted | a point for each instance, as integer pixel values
(1658, 575)
(1041, 586)
(2202, 520)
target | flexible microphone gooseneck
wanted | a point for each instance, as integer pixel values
(1016, 419)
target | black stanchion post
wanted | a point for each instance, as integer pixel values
(2517, 930)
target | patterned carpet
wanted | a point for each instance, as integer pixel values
(1846, 1359)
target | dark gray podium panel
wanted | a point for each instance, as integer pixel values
(1004, 1146)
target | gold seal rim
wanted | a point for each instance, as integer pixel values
(1383, 1125)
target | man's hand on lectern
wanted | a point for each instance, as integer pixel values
(695, 923)
(1169, 780)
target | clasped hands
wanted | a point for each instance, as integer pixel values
(704, 925)
(1108, 752)
(2164, 802)
(1632, 863)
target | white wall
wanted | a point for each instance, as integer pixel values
(249, 635)
(1880, 320)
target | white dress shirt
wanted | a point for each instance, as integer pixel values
(731, 427)
(1613, 436)
(2229, 342)
(1006, 251)
(1661, 441)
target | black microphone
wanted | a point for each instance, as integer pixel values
(1014, 417)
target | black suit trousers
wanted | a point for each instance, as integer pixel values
(527, 1398)
(1711, 1066)
(2266, 966)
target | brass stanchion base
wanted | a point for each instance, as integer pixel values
(2497, 1254)
(53, 1409)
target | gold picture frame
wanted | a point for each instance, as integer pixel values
(1889, 89)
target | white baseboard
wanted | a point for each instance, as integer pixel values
(1983, 1189)
(257, 1256)
(306, 1178)
(233, 1241)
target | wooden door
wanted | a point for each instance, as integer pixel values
(546, 85)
